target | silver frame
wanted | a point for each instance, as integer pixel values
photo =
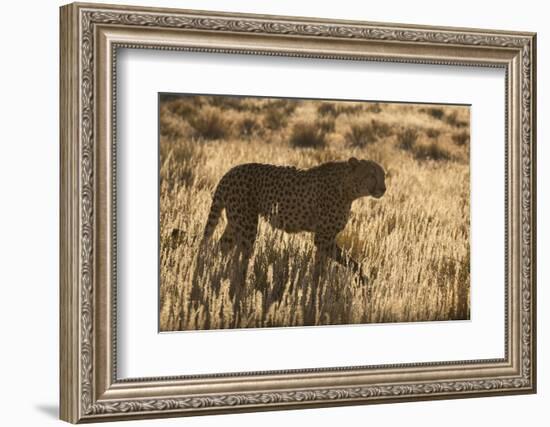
(90, 37)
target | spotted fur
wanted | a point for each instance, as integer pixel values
(316, 200)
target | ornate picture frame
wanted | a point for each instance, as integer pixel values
(90, 37)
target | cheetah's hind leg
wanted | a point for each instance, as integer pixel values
(205, 248)
(244, 227)
(312, 309)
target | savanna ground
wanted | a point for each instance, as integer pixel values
(413, 243)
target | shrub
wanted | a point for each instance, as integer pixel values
(436, 113)
(286, 106)
(307, 135)
(249, 126)
(228, 102)
(170, 126)
(431, 151)
(362, 134)
(327, 125)
(381, 129)
(275, 119)
(453, 120)
(433, 133)
(350, 109)
(210, 124)
(183, 107)
(407, 138)
(374, 108)
(327, 108)
(461, 138)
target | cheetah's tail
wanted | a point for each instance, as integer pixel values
(214, 216)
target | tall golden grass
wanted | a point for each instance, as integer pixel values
(413, 243)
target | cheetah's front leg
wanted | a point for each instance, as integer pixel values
(326, 248)
(327, 245)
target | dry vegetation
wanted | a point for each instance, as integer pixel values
(413, 243)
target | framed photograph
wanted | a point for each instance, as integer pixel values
(265, 212)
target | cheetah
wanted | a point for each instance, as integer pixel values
(316, 200)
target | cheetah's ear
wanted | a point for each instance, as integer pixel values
(353, 162)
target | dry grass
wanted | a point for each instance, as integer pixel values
(413, 243)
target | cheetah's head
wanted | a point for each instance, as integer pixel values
(368, 178)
